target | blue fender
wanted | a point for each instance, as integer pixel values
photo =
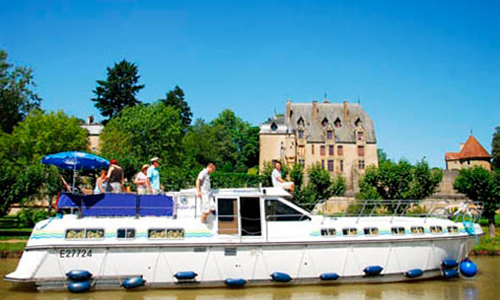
(280, 277)
(373, 270)
(468, 268)
(79, 275)
(414, 273)
(133, 282)
(79, 287)
(185, 275)
(239, 282)
(450, 273)
(449, 264)
(329, 276)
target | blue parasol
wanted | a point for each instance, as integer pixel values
(74, 160)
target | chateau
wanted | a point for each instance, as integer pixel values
(339, 136)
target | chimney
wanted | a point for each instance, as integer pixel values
(346, 113)
(461, 146)
(314, 112)
(90, 120)
(288, 115)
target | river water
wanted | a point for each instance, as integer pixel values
(485, 285)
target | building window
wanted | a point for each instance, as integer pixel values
(324, 122)
(323, 164)
(340, 150)
(274, 126)
(329, 134)
(322, 150)
(361, 150)
(330, 149)
(301, 134)
(302, 150)
(302, 163)
(361, 165)
(337, 123)
(300, 122)
(330, 165)
(360, 136)
(312, 149)
(341, 167)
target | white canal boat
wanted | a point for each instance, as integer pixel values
(256, 237)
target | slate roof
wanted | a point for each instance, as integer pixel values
(471, 149)
(313, 127)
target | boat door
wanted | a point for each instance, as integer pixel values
(227, 212)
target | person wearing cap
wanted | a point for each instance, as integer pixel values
(141, 180)
(153, 177)
(115, 177)
(204, 191)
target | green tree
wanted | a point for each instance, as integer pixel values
(479, 184)
(297, 175)
(119, 90)
(175, 99)
(321, 186)
(382, 156)
(202, 144)
(142, 132)
(495, 148)
(21, 173)
(17, 98)
(399, 181)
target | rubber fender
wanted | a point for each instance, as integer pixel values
(185, 275)
(329, 276)
(79, 275)
(414, 273)
(449, 264)
(373, 270)
(280, 277)
(450, 273)
(236, 282)
(133, 282)
(79, 286)
(468, 268)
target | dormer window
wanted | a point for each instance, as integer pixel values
(274, 126)
(324, 122)
(329, 134)
(300, 122)
(358, 122)
(360, 135)
(337, 123)
(301, 134)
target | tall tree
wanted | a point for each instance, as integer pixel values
(119, 90)
(21, 173)
(479, 184)
(176, 100)
(17, 98)
(400, 180)
(495, 148)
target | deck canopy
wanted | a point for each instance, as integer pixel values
(122, 205)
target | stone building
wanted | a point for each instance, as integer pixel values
(339, 136)
(471, 154)
(94, 129)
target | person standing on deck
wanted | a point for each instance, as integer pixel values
(204, 191)
(153, 180)
(278, 180)
(141, 180)
(115, 177)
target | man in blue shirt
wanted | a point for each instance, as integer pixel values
(153, 175)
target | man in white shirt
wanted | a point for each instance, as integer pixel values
(278, 180)
(204, 190)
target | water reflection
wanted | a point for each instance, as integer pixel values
(484, 286)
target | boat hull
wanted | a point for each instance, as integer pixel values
(304, 262)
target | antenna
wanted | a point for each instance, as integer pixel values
(471, 133)
(359, 101)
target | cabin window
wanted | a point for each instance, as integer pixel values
(436, 229)
(75, 233)
(94, 233)
(398, 230)
(175, 233)
(350, 231)
(226, 210)
(329, 134)
(125, 233)
(417, 230)
(453, 229)
(371, 231)
(279, 211)
(157, 233)
(328, 232)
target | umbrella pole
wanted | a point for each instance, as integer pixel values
(74, 175)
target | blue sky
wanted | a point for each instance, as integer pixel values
(427, 72)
